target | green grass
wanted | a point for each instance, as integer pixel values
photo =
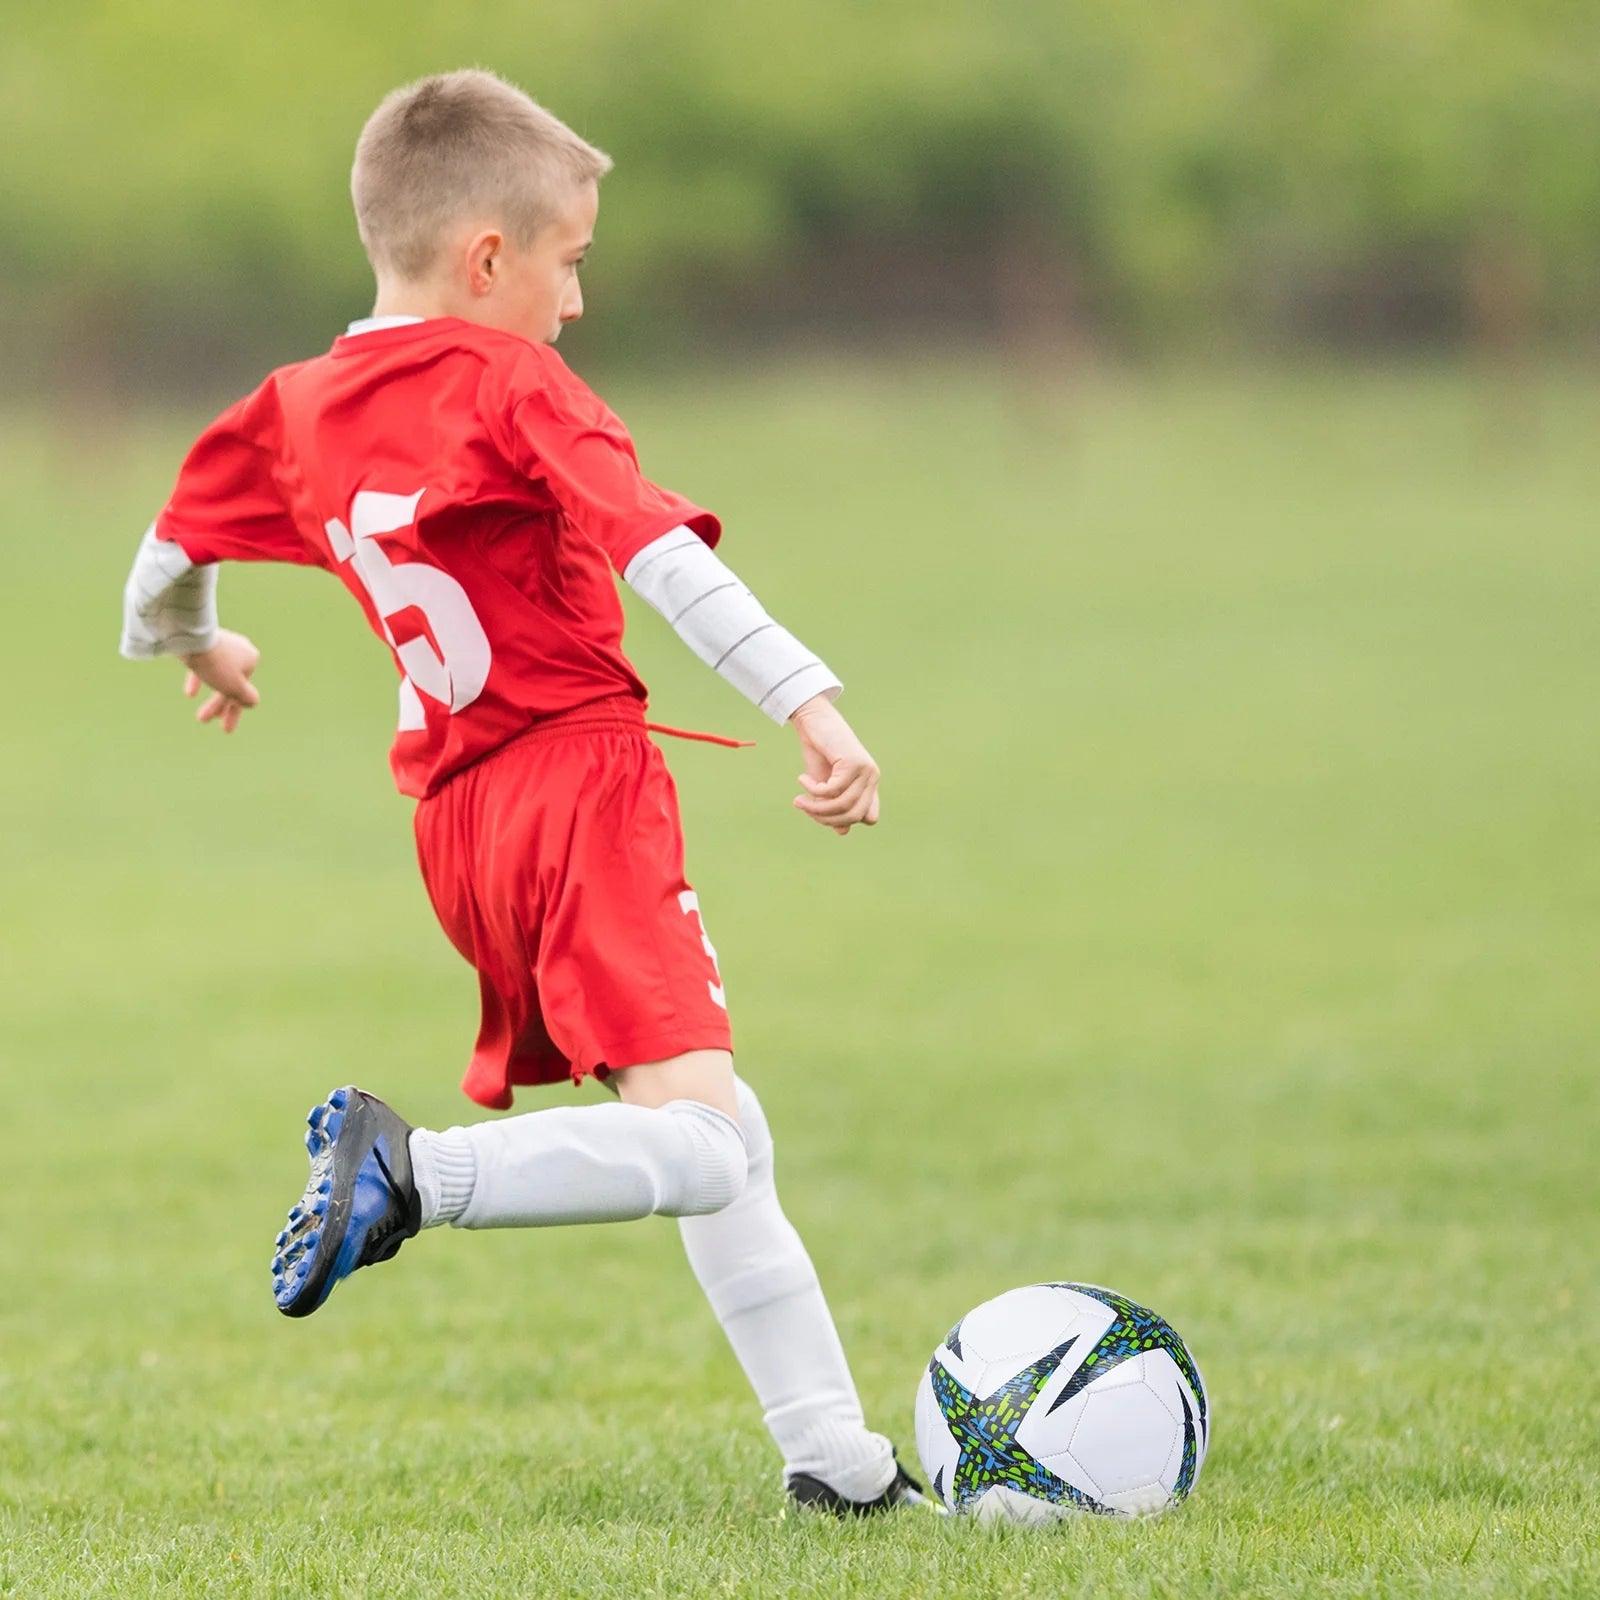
(1231, 938)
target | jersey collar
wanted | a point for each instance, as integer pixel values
(377, 324)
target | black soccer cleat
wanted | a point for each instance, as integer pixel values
(360, 1203)
(812, 1494)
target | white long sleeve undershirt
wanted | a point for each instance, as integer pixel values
(725, 625)
(170, 608)
(169, 605)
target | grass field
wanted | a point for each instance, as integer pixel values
(1231, 938)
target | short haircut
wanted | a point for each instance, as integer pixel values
(462, 144)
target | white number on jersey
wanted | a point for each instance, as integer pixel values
(453, 674)
(689, 901)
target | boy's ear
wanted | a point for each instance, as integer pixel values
(483, 260)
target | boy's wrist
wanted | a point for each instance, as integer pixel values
(818, 704)
(194, 648)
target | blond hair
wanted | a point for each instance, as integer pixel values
(462, 144)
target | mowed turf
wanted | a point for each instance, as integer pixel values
(1231, 938)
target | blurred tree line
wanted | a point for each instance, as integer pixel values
(173, 194)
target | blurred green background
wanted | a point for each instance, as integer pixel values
(1219, 172)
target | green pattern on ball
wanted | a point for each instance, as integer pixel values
(985, 1432)
(1134, 1330)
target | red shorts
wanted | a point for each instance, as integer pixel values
(556, 867)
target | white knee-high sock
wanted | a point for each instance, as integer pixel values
(607, 1163)
(761, 1284)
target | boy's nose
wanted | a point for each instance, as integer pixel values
(572, 304)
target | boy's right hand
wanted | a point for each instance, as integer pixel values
(225, 668)
(841, 779)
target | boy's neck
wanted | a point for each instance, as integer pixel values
(401, 299)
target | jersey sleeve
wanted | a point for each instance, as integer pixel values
(558, 430)
(228, 504)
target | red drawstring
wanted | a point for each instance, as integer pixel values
(702, 738)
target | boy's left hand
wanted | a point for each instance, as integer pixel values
(841, 779)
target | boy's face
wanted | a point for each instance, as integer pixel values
(535, 288)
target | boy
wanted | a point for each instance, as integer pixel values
(473, 495)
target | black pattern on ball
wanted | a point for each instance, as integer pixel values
(1134, 1330)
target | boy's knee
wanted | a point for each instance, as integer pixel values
(753, 1123)
(720, 1165)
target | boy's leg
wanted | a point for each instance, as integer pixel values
(668, 1147)
(675, 1153)
(375, 1181)
(764, 1290)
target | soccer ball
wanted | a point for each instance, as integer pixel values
(1057, 1399)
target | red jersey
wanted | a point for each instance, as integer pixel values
(472, 493)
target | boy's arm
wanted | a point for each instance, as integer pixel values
(708, 607)
(556, 429)
(718, 617)
(225, 506)
(169, 608)
(169, 605)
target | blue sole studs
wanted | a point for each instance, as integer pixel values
(295, 1246)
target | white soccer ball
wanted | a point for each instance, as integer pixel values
(1059, 1399)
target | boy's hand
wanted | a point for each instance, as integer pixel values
(224, 668)
(841, 779)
